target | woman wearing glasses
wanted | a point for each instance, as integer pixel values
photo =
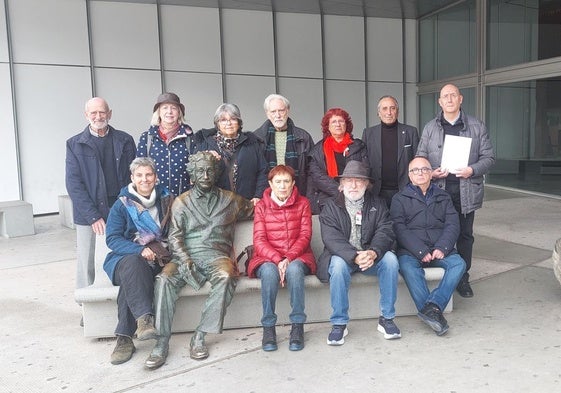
(330, 155)
(244, 169)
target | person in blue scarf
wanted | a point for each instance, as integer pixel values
(136, 233)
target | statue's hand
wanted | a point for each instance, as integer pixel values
(169, 269)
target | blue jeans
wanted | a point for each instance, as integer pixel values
(387, 270)
(268, 272)
(414, 275)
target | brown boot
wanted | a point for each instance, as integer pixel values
(145, 329)
(123, 350)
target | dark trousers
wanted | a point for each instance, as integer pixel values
(135, 278)
(464, 244)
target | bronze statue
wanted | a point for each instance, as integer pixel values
(201, 239)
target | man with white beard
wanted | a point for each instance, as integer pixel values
(357, 235)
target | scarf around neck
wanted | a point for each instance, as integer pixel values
(330, 147)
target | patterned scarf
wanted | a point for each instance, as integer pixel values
(227, 148)
(330, 147)
(290, 157)
(148, 228)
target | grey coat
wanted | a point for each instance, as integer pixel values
(481, 157)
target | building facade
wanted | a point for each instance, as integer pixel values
(56, 54)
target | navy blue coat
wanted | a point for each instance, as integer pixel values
(171, 159)
(251, 179)
(424, 224)
(121, 230)
(85, 181)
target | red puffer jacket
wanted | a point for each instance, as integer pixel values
(282, 231)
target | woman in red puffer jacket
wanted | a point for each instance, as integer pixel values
(282, 232)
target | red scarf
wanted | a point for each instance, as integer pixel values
(330, 147)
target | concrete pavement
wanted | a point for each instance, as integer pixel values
(505, 339)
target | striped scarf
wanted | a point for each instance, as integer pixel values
(290, 157)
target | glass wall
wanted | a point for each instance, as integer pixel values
(522, 31)
(520, 105)
(525, 119)
(447, 43)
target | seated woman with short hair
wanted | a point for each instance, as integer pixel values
(136, 233)
(282, 233)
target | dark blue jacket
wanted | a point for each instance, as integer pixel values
(424, 224)
(85, 181)
(121, 230)
(251, 176)
(171, 159)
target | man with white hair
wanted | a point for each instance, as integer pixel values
(357, 235)
(97, 167)
(283, 142)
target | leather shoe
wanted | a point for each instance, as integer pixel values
(158, 355)
(145, 329)
(464, 289)
(123, 350)
(198, 349)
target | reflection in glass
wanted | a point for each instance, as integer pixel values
(447, 43)
(521, 31)
(524, 120)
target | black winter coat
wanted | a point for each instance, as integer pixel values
(322, 187)
(335, 223)
(424, 224)
(303, 143)
(251, 175)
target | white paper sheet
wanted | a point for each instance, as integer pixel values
(455, 154)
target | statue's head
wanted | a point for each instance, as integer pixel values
(204, 169)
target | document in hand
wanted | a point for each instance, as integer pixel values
(455, 154)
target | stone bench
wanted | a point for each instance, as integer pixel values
(100, 306)
(65, 212)
(16, 219)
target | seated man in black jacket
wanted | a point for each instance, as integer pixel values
(427, 227)
(357, 234)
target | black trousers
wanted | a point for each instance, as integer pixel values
(135, 278)
(464, 244)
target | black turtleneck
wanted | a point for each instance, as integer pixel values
(389, 156)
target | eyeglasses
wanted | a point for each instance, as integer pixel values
(424, 170)
(226, 121)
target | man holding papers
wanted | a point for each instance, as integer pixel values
(460, 153)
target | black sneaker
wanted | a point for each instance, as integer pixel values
(388, 328)
(296, 337)
(432, 316)
(269, 342)
(464, 289)
(337, 335)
